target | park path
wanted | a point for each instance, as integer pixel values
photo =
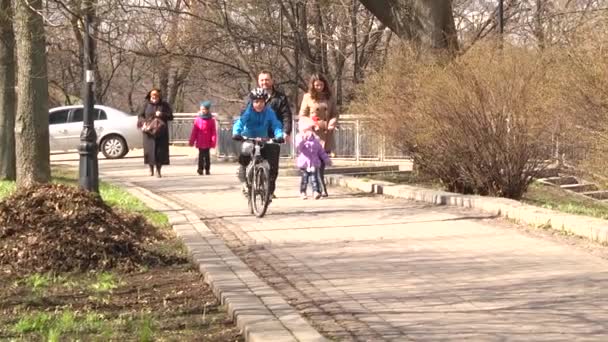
(366, 268)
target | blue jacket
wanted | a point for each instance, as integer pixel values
(252, 124)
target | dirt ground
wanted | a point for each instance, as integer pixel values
(173, 300)
(73, 268)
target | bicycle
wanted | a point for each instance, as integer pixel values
(257, 177)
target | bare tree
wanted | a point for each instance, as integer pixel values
(213, 48)
(195, 48)
(534, 23)
(7, 92)
(427, 23)
(32, 121)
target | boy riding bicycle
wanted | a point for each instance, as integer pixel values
(255, 122)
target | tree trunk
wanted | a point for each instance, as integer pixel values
(7, 93)
(308, 62)
(32, 121)
(134, 78)
(539, 29)
(320, 40)
(353, 25)
(429, 24)
(163, 67)
(176, 86)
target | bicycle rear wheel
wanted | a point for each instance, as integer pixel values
(259, 190)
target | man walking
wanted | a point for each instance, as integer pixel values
(277, 100)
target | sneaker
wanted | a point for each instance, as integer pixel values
(244, 189)
(317, 195)
(200, 172)
(303, 195)
(207, 172)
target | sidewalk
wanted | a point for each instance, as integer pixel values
(361, 267)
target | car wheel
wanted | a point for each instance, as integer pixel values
(114, 147)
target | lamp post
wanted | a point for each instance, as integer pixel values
(89, 171)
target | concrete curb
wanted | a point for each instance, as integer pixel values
(341, 170)
(258, 310)
(587, 227)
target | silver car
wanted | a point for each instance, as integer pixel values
(117, 131)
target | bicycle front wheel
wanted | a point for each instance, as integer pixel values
(259, 189)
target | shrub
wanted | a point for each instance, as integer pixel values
(481, 123)
(584, 100)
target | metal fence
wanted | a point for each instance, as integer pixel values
(353, 139)
(180, 127)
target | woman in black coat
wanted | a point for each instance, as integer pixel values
(156, 147)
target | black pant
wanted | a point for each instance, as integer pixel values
(271, 153)
(204, 160)
(312, 176)
(321, 175)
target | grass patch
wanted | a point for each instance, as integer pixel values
(38, 283)
(103, 287)
(61, 325)
(169, 304)
(557, 199)
(119, 198)
(105, 283)
(112, 195)
(145, 328)
(408, 178)
(6, 188)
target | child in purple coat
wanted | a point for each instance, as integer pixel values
(310, 154)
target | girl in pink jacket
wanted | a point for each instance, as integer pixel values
(204, 137)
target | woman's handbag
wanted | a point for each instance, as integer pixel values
(153, 127)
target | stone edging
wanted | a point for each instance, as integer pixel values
(259, 311)
(342, 170)
(588, 227)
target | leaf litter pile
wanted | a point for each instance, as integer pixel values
(60, 228)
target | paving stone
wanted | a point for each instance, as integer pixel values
(361, 267)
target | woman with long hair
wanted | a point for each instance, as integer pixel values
(319, 105)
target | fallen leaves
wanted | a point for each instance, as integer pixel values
(61, 228)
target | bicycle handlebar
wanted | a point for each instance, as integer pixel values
(264, 140)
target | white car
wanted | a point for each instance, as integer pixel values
(116, 130)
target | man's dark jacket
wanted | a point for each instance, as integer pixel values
(280, 105)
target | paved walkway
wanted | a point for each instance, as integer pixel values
(367, 268)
